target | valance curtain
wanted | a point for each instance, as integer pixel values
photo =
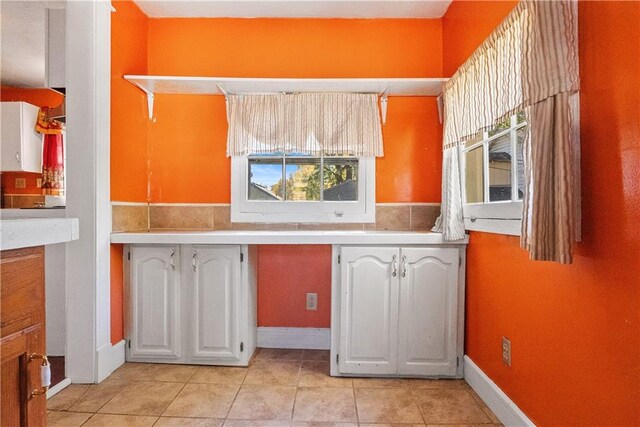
(309, 123)
(529, 63)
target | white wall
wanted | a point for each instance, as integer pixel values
(90, 356)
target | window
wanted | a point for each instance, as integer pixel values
(302, 188)
(493, 178)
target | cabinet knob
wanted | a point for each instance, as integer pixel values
(404, 266)
(394, 266)
(45, 374)
(194, 260)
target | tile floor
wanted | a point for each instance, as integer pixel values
(280, 388)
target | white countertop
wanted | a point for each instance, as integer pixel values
(26, 232)
(283, 237)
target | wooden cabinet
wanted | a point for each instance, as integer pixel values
(20, 144)
(22, 333)
(399, 311)
(191, 304)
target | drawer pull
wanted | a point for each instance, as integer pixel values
(171, 262)
(45, 374)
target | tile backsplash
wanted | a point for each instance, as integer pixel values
(131, 217)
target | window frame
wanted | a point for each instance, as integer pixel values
(501, 217)
(325, 211)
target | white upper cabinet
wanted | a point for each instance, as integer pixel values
(428, 311)
(20, 144)
(369, 310)
(155, 294)
(213, 287)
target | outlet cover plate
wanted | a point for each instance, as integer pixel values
(506, 351)
(312, 301)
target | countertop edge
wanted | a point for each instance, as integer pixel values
(283, 237)
(20, 233)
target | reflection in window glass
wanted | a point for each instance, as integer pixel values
(265, 179)
(474, 175)
(302, 179)
(520, 136)
(500, 169)
(504, 125)
(340, 178)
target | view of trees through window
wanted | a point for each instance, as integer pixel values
(298, 178)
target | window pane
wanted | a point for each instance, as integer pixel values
(506, 124)
(474, 175)
(340, 178)
(265, 179)
(520, 136)
(476, 138)
(500, 169)
(521, 117)
(303, 179)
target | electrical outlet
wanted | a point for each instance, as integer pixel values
(506, 351)
(21, 183)
(39, 182)
(312, 301)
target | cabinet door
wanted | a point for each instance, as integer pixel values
(155, 301)
(21, 145)
(369, 310)
(214, 298)
(428, 311)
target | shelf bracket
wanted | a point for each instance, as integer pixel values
(226, 102)
(150, 104)
(383, 106)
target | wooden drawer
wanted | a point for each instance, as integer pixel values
(21, 289)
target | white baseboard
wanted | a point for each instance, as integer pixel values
(507, 412)
(110, 357)
(309, 338)
(58, 387)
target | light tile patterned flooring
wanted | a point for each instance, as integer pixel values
(280, 388)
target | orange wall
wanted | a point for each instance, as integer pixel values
(188, 140)
(37, 97)
(286, 273)
(117, 286)
(129, 132)
(129, 126)
(574, 329)
(31, 181)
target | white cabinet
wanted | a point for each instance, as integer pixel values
(369, 299)
(213, 286)
(398, 311)
(20, 144)
(191, 304)
(155, 294)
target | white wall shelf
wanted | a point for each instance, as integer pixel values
(384, 87)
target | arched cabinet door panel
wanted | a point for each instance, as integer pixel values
(428, 311)
(155, 295)
(369, 319)
(213, 290)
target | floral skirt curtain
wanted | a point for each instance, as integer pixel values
(53, 164)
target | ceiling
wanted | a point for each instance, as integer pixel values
(22, 41)
(294, 8)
